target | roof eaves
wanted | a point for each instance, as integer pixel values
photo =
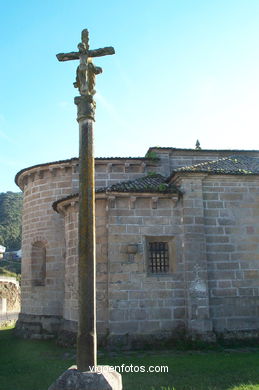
(76, 159)
(43, 165)
(69, 197)
(160, 188)
(202, 150)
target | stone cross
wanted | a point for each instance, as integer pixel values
(86, 71)
(85, 82)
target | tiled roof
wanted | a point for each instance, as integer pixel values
(232, 165)
(152, 148)
(150, 183)
(154, 183)
(123, 158)
(56, 203)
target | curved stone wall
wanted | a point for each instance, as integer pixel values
(43, 242)
(49, 242)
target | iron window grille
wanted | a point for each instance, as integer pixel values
(158, 253)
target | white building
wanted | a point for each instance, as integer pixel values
(2, 251)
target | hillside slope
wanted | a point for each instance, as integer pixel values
(10, 220)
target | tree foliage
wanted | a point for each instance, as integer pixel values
(10, 220)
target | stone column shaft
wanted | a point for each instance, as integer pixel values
(86, 338)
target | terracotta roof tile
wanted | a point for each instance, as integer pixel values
(152, 148)
(150, 183)
(154, 183)
(232, 165)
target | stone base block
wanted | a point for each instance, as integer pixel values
(103, 378)
(32, 324)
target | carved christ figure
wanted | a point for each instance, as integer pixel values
(85, 73)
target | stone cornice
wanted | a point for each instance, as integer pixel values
(179, 176)
(61, 205)
(22, 174)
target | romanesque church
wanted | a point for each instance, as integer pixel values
(177, 246)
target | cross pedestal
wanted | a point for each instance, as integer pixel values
(103, 379)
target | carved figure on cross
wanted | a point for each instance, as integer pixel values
(86, 71)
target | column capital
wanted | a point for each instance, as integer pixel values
(85, 107)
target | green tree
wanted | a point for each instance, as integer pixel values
(10, 220)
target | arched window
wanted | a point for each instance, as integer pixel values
(38, 263)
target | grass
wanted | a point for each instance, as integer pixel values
(10, 268)
(34, 365)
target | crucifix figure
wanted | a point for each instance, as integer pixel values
(86, 71)
(85, 82)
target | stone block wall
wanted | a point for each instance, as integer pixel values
(131, 303)
(109, 171)
(43, 229)
(212, 231)
(231, 213)
(141, 303)
(10, 295)
(195, 256)
(44, 239)
(70, 313)
(173, 158)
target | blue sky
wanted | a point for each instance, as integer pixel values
(183, 69)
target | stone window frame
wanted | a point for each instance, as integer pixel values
(38, 267)
(171, 244)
